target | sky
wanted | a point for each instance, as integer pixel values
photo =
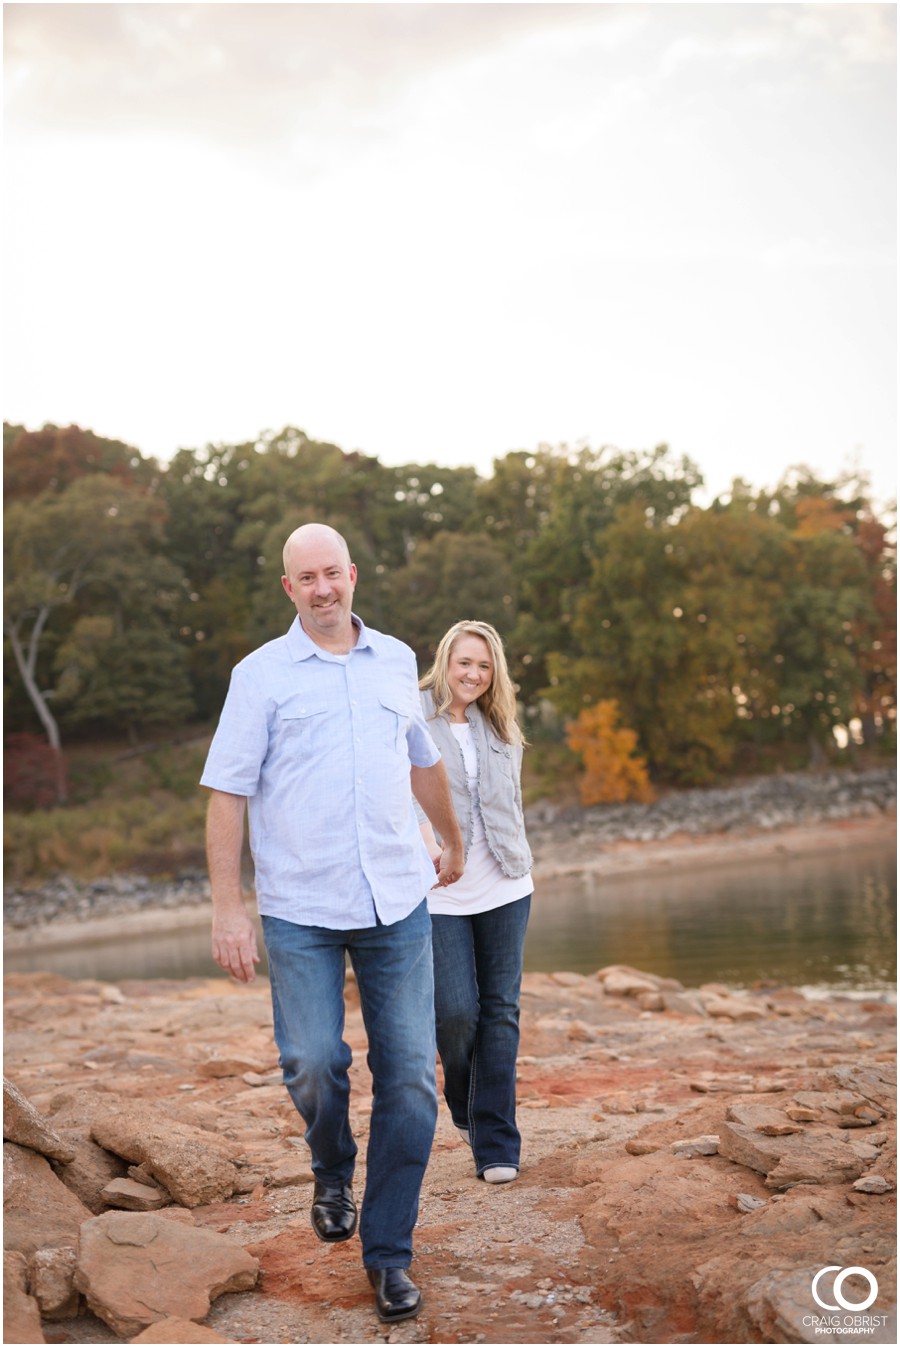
(443, 232)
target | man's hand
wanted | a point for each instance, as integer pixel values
(451, 866)
(234, 944)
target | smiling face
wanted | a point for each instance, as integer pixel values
(470, 669)
(320, 581)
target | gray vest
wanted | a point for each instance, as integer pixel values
(499, 787)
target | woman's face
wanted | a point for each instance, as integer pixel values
(469, 672)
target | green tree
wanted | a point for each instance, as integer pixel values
(673, 623)
(581, 492)
(90, 549)
(450, 577)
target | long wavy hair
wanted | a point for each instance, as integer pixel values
(498, 702)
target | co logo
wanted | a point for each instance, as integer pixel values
(837, 1288)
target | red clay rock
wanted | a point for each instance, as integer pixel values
(23, 1124)
(39, 1211)
(21, 1315)
(136, 1268)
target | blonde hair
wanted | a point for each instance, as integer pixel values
(498, 702)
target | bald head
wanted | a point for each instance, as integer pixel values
(314, 536)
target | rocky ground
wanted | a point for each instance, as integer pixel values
(692, 1158)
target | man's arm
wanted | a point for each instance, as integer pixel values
(233, 934)
(431, 789)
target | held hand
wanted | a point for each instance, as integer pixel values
(234, 944)
(451, 866)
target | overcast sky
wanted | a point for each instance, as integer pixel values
(446, 231)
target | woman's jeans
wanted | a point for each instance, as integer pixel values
(393, 968)
(478, 975)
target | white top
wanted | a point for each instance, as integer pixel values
(483, 885)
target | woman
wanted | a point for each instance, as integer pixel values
(478, 923)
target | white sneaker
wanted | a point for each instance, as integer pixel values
(464, 1133)
(500, 1174)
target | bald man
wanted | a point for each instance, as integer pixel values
(322, 740)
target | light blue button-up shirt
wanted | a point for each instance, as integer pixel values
(321, 745)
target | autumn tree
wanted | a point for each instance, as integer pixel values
(613, 770)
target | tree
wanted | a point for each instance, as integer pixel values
(87, 548)
(448, 578)
(51, 459)
(585, 489)
(674, 622)
(613, 772)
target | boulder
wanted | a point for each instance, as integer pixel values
(21, 1315)
(136, 1268)
(39, 1211)
(789, 1160)
(51, 1278)
(90, 1171)
(187, 1162)
(132, 1196)
(24, 1125)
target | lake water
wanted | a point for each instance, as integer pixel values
(820, 923)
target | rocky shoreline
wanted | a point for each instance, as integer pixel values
(693, 1158)
(690, 827)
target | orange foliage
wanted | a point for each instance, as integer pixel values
(817, 514)
(613, 772)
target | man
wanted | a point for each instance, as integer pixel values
(322, 734)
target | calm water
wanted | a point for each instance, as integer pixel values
(818, 923)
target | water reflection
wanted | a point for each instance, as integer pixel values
(816, 921)
(819, 922)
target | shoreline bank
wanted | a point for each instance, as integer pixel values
(141, 906)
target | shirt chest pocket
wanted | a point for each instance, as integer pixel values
(301, 724)
(391, 723)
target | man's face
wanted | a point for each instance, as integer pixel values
(320, 584)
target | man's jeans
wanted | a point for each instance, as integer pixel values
(393, 968)
(478, 975)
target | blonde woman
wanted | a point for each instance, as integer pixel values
(478, 924)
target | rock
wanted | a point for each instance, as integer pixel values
(179, 1330)
(217, 1068)
(789, 1160)
(183, 1159)
(291, 1171)
(24, 1125)
(39, 1211)
(873, 1183)
(653, 1001)
(625, 982)
(131, 1196)
(762, 1118)
(779, 1302)
(90, 1171)
(687, 1149)
(731, 1007)
(254, 1078)
(51, 1277)
(746, 1202)
(21, 1315)
(137, 1268)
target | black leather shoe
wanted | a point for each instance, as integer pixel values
(333, 1212)
(396, 1297)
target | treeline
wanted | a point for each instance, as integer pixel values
(132, 587)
